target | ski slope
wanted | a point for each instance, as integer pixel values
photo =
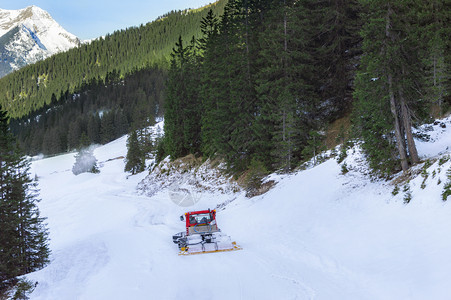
(317, 234)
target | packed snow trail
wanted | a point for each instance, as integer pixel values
(316, 235)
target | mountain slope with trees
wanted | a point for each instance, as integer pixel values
(77, 103)
(273, 86)
(122, 52)
(101, 113)
(274, 75)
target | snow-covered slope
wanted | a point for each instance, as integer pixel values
(28, 35)
(318, 234)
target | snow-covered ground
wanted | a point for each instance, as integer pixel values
(317, 234)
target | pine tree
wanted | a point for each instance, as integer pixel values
(209, 26)
(107, 128)
(93, 128)
(314, 146)
(434, 31)
(23, 235)
(135, 160)
(284, 86)
(215, 91)
(228, 85)
(182, 105)
(84, 141)
(74, 134)
(174, 102)
(388, 83)
(333, 27)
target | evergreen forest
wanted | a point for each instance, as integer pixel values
(268, 77)
(104, 111)
(123, 52)
(257, 83)
(69, 101)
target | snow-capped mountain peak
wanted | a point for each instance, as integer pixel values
(28, 35)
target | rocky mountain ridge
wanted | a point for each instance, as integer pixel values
(29, 35)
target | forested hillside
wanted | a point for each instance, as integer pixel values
(274, 74)
(102, 112)
(122, 52)
(100, 91)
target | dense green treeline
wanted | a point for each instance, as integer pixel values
(101, 113)
(125, 51)
(404, 77)
(271, 75)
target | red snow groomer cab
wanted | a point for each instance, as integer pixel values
(202, 234)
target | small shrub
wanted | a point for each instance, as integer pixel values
(407, 193)
(343, 154)
(422, 136)
(425, 174)
(446, 191)
(333, 153)
(423, 184)
(395, 190)
(447, 187)
(344, 169)
(427, 164)
(443, 160)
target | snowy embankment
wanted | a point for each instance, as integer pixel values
(317, 234)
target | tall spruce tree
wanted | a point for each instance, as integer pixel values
(228, 88)
(434, 31)
(182, 104)
(284, 85)
(215, 90)
(209, 27)
(388, 83)
(333, 28)
(135, 160)
(23, 235)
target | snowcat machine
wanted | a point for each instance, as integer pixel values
(202, 235)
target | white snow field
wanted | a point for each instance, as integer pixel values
(317, 234)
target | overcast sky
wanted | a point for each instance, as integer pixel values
(93, 18)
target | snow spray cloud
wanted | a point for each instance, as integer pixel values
(182, 195)
(85, 161)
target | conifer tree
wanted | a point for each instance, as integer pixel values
(434, 31)
(23, 235)
(236, 104)
(209, 26)
(182, 106)
(284, 86)
(215, 91)
(174, 102)
(107, 128)
(388, 83)
(135, 160)
(333, 27)
(93, 128)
